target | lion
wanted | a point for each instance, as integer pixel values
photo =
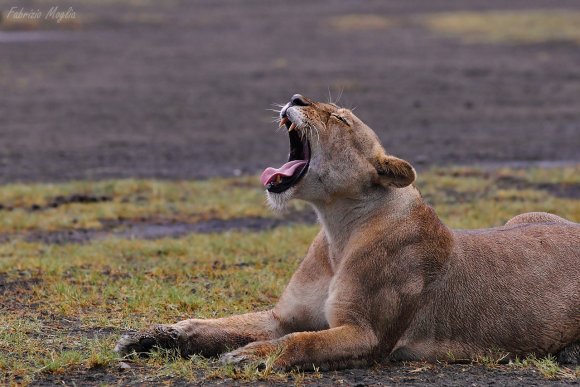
(385, 279)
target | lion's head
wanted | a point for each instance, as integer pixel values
(333, 154)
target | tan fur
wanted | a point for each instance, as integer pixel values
(535, 217)
(385, 278)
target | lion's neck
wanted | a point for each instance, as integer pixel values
(344, 217)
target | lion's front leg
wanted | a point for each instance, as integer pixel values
(338, 347)
(301, 307)
(207, 337)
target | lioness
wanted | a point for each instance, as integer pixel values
(385, 277)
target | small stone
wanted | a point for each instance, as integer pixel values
(124, 366)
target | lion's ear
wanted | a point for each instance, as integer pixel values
(394, 171)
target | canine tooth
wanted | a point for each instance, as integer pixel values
(292, 127)
(282, 122)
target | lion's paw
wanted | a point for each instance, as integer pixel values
(570, 355)
(135, 343)
(141, 343)
(241, 360)
(259, 355)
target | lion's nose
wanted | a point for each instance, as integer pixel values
(299, 100)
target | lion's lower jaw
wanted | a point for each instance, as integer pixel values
(279, 201)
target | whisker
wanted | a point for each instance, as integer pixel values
(312, 130)
(339, 96)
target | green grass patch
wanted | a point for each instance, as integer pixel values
(453, 191)
(529, 26)
(38, 206)
(62, 305)
(548, 367)
(475, 198)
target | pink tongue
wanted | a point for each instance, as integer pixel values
(270, 174)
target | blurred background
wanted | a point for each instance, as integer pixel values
(182, 89)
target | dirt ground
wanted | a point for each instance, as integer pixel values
(181, 89)
(381, 375)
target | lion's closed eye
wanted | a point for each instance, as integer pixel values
(342, 119)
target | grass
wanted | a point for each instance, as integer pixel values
(188, 201)
(67, 294)
(359, 22)
(548, 367)
(64, 306)
(472, 198)
(28, 207)
(530, 26)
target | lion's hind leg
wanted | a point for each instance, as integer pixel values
(536, 217)
(570, 354)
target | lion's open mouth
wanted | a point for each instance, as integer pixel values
(278, 180)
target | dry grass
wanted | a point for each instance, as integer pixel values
(359, 22)
(64, 306)
(454, 191)
(548, 367)
(186, 201)
(508, 26)
(473, 198)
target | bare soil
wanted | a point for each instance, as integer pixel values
(415, 374)
(180, 89)
(157, 229)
